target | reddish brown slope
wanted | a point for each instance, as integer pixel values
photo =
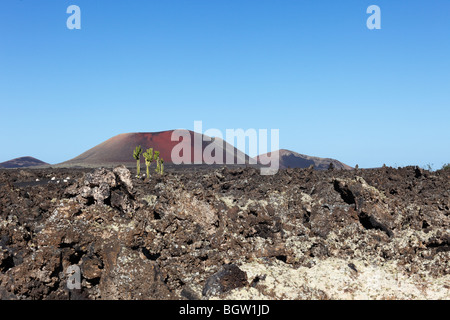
(119, 149)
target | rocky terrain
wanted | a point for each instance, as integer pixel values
(225, 234)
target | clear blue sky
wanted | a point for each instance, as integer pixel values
(311, 69)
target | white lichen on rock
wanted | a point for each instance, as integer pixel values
(332, 278)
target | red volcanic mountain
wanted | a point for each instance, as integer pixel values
(119, 149)
(291, 159)
(23, 162)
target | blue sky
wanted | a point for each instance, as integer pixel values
(311, 69)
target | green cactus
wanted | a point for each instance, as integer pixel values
(158, 161)
(149, 157)
(160, 166)
(137, 156)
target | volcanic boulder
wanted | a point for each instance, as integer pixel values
(227, 278)
(128, 277)
(114, 188)
(369, 202)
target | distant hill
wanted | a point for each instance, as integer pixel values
(23, 162)
(291, 159)
(119, 149)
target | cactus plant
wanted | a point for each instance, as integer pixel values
(160, 166)
(149, 157)
(156, 157)
(137, 156)
(159, 163)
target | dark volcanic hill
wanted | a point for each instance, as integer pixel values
(22, 162)
(119, 149)
(291, 159)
